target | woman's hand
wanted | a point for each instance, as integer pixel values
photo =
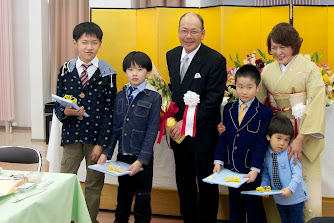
(296, 148)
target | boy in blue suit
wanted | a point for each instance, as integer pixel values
(242, 146)
(93, 83)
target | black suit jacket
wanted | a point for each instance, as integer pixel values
(211, 67)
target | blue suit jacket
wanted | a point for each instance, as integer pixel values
(244, 146)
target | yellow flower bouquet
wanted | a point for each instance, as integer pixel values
(168, 108)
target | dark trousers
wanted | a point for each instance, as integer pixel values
(241, 204)
(291, 213)
(138, 186)
(196, 204)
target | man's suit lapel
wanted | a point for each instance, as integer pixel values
(251, 112)
(175, 73)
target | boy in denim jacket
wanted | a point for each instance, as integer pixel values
(135, 126)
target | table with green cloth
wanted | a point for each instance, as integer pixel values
(62, 201)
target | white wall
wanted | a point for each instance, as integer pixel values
(21, 62)
(39, 64)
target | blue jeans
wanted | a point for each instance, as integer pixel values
(291, 213)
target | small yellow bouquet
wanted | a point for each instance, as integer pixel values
(168, 108)
(71, 98)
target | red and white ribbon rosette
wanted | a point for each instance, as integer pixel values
(191, 100)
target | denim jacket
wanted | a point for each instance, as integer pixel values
(135, 126)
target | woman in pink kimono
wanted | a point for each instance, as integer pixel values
(294, 88)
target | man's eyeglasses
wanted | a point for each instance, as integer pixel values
(194, 32)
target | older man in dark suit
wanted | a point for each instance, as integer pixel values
(198, 68)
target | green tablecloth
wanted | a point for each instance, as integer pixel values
(62, 202)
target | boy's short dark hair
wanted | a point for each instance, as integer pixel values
(280, 125)
(139, 58)
(250, 71)
(89, 28)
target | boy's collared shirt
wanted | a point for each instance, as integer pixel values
(138, 89)
(248, 103)
(90, 70)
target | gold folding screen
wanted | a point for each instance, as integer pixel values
(229, 30)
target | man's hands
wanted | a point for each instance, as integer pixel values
(135, 167)
(175, 131)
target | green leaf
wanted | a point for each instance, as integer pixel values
(237, 56)
(317, 57)
(231, 57)
(313, 55)
(320, 58)
(261, 54)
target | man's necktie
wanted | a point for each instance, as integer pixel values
(277, 182)
(184, 68)
(242, 113)
(130, 93)
(84, 74)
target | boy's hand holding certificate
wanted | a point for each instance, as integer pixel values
(114, 168)
(227, 178)
(65, 102)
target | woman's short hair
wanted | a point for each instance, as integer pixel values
(284, 33)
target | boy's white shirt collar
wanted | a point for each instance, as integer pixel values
(190, 55)
(140, 87)
(90, 70)
(95, 62)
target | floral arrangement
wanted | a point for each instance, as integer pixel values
(327, 76)
(261, 61)
(252, 58)
(168, 108)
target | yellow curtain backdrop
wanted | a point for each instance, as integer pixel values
(229, 30)
(312, 25)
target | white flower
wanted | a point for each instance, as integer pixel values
(298, 110)
(253, 59)
(329, 88)
(307, 57)
(246, 61)
(191, 98)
